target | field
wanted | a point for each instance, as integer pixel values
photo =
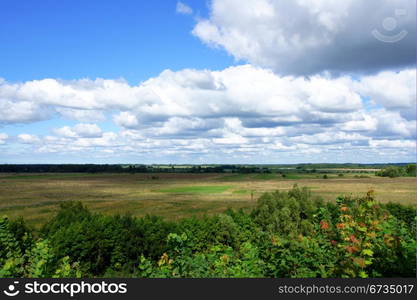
(37, 196)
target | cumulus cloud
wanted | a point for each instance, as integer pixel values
(392, 90)
(305, 37)
(242, 111)
(126, 119)
(15, 111)
(183, 8)
(328, 138)
(65, 131)
(88, 130)
(365, 122)
(107, 139)
(79, 130)
(28, 138)
(243, 91)
(392, 124)
(3, 138)
(392, 144)
(81, 115)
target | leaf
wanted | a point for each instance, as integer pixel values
(362, 274)
(362, 229)
(367, 252)
(368, 262)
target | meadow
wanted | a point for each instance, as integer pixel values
(36, 197)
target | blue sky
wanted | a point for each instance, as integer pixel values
(206, 81)
(68, 39)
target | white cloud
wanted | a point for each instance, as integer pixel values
(126, 119)
(81, 115)
(392, 144)
(3, 138)
(241, 110)
(365, 123)
(28, 138)
(13, 111)
(79, 144)
(183, 8)
(392, 90)
(79, 130)
(88, 130)
(108, 139)
(392, 124)
(65, 131)
(310, 36)
(242, 91)
(329, 137)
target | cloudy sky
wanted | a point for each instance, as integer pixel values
(197, 81)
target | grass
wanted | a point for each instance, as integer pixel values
(36, 197)
(46, 176)
(240, 192)
(264, 176)
(212, 189)
(233, 177)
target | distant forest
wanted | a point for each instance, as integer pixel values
(140, 168)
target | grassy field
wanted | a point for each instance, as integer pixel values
(37, 196)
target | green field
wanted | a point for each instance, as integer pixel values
(37, 196)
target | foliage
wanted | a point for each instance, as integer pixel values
(286, 212)
(404, 213)
(17, 259)
(411, 170)
(101, 242)
(287, 234)
(394, 171)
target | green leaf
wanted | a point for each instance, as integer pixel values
(367, 252)
(362, 274)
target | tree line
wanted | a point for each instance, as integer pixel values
(394, 169)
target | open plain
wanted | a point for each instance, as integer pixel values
(36, 197)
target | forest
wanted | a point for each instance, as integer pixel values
(405, 168)
(287, 234)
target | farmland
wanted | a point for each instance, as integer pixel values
(173, 196)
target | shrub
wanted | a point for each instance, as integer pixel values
(406, 214)
(287, 234)
(391, 172)
(369, 241)
(286, 212)
(29, 259)
(100, 242)
(411, 170)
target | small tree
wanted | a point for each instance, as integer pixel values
(411, 170)
(391, 172)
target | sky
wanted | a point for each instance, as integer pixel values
(197, 81)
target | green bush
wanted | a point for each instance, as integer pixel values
(411, 170)
(391, 172)
(100, 242)
(287, 234)
(286, 212)
(406, 214)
